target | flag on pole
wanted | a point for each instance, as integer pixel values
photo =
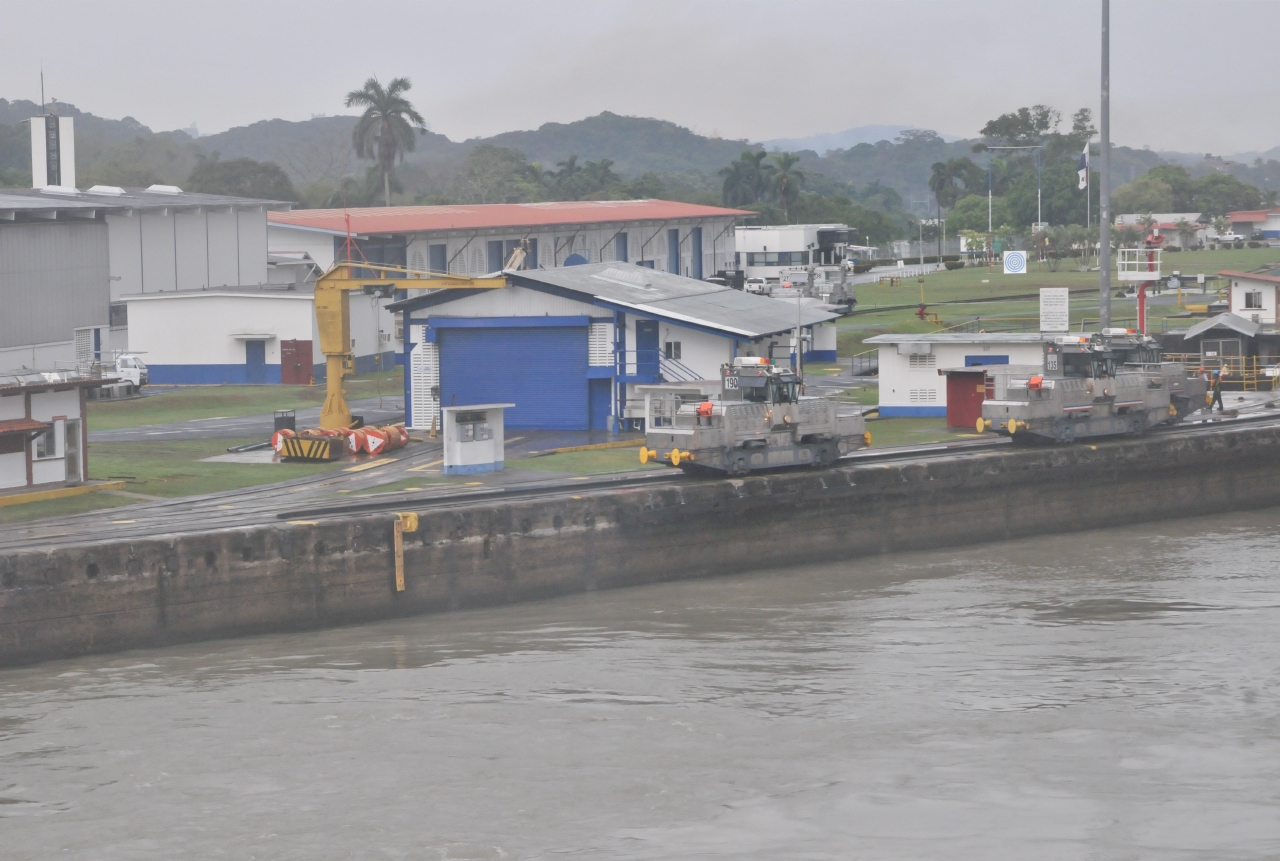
(1083, 167)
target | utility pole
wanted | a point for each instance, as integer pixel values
(1104, 190)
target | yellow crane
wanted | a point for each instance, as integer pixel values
(333, 315)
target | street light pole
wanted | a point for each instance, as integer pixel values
(1104, 190)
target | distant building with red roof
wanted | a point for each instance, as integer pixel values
(1247, 222)
(684, 238)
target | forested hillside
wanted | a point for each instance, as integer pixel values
(879, 188)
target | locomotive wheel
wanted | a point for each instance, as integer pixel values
(823, 456)
(1138, 427)
(738, 465)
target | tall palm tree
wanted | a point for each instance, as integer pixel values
(385, 130)
(739, 185)
(786, 180)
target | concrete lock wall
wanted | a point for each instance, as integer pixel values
(117, 595)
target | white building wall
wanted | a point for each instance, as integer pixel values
(467, 254)
(319, 245)
(914, 381)
(13, 467)
(55, 407)
(1238, 300)
(196, 328)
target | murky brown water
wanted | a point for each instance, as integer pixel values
(1108, 695)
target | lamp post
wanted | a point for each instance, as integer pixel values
(1104, 190)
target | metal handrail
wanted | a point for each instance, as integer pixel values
(670, 370)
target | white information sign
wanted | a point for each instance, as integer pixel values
(1055, 309)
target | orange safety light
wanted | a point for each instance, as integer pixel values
(1035, 383)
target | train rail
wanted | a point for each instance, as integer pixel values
(311, 498)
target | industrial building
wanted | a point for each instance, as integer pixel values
(67, 257)
(568, 346)
(682, 238)
(776, 253)
(44, 436)
(911, 384)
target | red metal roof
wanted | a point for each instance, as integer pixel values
(11, 426)
(1252, 276)
(1250, 215)
(418, 219)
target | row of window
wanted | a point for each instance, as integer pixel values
(777, 258)
(917, 362)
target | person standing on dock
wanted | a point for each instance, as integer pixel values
(1217, 392)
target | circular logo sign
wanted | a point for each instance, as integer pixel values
(1015, 262)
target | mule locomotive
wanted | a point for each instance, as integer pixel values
(761, 421)
(1099, 385)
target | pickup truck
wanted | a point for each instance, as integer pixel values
(1230, 237)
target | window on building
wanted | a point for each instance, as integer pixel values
(47, 444)
(673, 350)
(12, 443)
(620, 248)
(1253, 299)
(119, 315)
(399, 327)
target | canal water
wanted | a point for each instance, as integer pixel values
(1103, 695)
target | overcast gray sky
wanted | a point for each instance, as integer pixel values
(1192, 76)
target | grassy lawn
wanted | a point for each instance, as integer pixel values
(586, 462)
(61, 507)
(203, 402)
(887, 432)
(959, 288)
(173, 467)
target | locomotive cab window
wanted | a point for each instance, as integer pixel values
(754, 389)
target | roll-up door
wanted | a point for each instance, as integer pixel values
(543, 371)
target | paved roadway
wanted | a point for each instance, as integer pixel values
(375, 411)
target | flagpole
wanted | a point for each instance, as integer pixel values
(1104, 192)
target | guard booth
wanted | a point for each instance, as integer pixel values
(473, 438)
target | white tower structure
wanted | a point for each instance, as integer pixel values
(53, 152)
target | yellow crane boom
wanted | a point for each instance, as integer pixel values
(333, 317)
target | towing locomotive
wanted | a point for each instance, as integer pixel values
(761, 421)
(1099, 385)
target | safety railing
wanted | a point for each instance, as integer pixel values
(1245, 373)
(866, 363)
(651, 364)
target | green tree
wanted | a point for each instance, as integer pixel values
(1179, 182)
(952, 178)
(240, 177)
(1144, 194)
(385, 130)
(1220, 193)
(786, 180)
(970, 213)
(1022, 127)
(495, 174)
(745, 181)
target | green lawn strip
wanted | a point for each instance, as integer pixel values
(887, 432)
(585, 462)
(174, 468)
(203, 402)
(62, 507)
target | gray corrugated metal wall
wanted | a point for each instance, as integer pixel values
(53, 278)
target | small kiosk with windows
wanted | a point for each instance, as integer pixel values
(473, 438)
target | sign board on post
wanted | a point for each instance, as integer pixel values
(1015, 263)
(1055, 309)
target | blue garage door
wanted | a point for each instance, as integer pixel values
(542, 371)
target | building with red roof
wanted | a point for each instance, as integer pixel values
(474, 239)
(1247, 222)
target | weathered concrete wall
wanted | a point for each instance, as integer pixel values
(280, 577)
